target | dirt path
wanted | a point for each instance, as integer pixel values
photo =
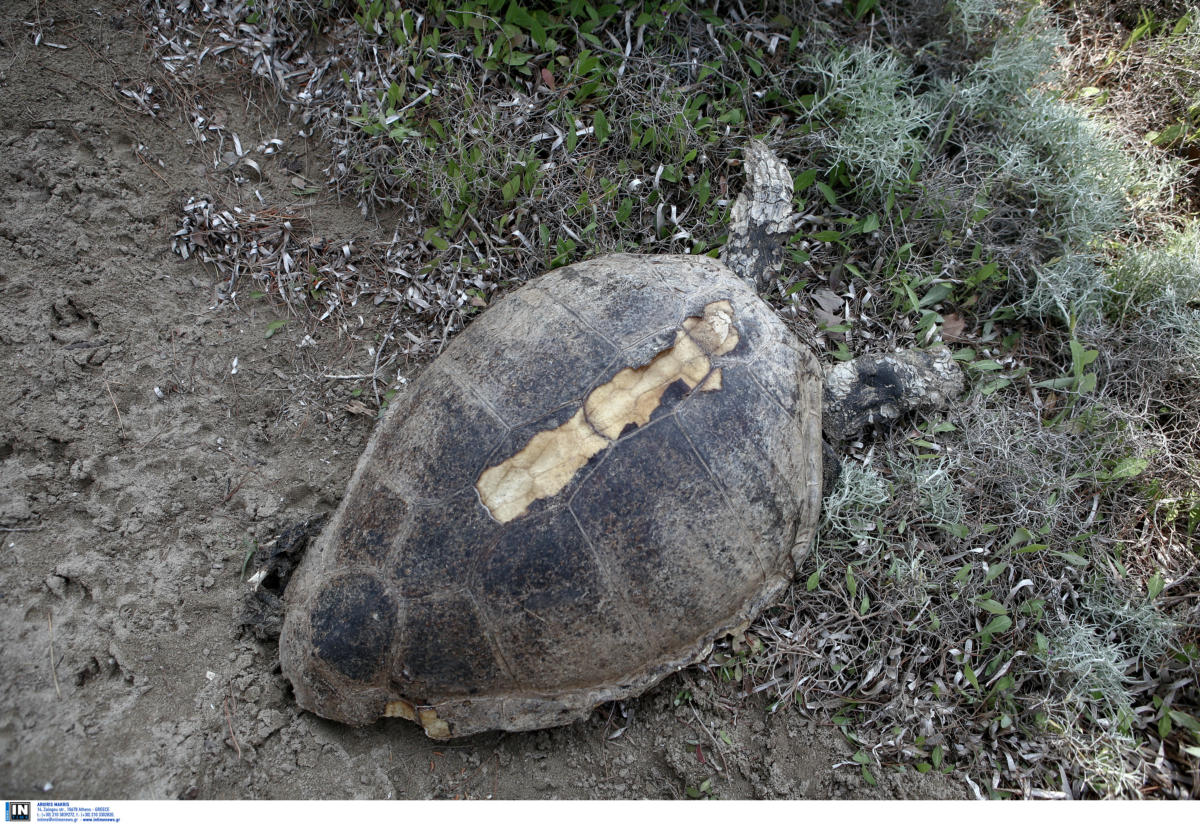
(127, 516)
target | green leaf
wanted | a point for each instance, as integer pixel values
(869, 224)
(1076, 354)
(1164, 725)
(1184, 720)
(1020, 535)
(863, 7)
(813, 581)
(509, 190)
(249, 555)
(994, 607)
(861, 757)
(983, 273)
(994, 386)
(600, 122)
(870, 779)
(624, 210)
(936, 756)
(1057, 383)
(1167, 136)
(960, 531)
(805, 179)
(994, 570)
(828, 192)
(969, 674)
(702, 190)
(517, 14)
(827, 236)
(851, 584)
(439, 242)
(1128, 468)
(986, 366)
(274, 326)
(1155, 585)
(402, 132)
(936, 294)
(999, 624)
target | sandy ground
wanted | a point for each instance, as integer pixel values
(126, 517)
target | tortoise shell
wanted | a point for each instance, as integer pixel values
(616, 464)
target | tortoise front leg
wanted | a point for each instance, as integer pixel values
(761, 219)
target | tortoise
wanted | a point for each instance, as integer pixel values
(615, 465)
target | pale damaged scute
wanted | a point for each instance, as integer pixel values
(552, 458)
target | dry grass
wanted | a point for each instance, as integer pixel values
(1134, 64)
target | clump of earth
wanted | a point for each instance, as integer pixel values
(153, 436)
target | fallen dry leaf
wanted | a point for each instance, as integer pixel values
(828, 300)
(952, 326)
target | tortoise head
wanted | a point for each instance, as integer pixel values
(882, 388)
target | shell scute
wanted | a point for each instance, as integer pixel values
(444, 546)
(353, 624)
(459, 432)
(650, 507)
(375, 518)
(735, 433)
(445, 649)
(552, 606)
(533, 357)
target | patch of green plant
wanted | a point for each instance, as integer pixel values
(869, 118)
